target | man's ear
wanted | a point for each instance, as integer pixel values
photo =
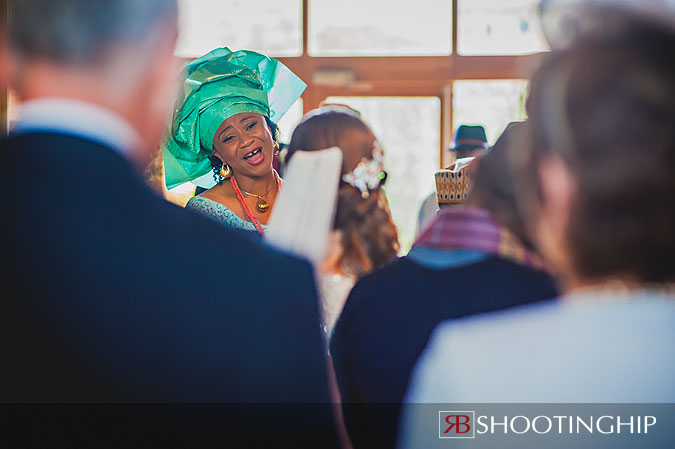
(6, 62)
(558, 186)
(558, 189)
(165, 76)
(157, 88)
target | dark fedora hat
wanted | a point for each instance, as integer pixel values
(469, 137)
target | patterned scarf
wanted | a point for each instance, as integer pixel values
(470, 229)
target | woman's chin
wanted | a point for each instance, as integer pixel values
(256, 171)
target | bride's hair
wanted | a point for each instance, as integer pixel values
(369, 236)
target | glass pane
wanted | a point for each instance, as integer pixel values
(272, 27)
(290, 120)
(499, 27)
(409, 130)
(492, 104)
(344, 28)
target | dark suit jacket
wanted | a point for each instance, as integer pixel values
(388, 319)
(112, 294)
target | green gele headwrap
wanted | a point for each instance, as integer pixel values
(217, 86)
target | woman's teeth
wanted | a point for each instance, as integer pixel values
(251, 154)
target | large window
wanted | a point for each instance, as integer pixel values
(377, 28)
(492, 104)
(270, 27)
(499, 27)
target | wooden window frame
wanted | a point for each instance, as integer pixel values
(405, 75)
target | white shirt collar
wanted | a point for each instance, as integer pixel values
(77, 118)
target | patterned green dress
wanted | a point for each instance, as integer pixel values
(220, 213)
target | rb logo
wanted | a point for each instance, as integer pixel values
(456, 424)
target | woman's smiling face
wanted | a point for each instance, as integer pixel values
(245, 142)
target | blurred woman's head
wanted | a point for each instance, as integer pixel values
(366, 232)
(600, 170)
(334, 126)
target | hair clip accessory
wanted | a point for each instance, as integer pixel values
(368, 174)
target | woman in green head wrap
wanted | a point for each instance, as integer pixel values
(224, 136)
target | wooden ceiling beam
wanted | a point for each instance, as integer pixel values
(417, 68)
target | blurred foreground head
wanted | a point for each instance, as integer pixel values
(600, 165)
(117, 54)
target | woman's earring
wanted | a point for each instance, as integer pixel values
(225, 171)
(276, 146)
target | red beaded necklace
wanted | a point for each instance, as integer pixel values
(247, 210)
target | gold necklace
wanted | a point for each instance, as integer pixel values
(261, 205)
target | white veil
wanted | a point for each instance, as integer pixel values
(302, 217)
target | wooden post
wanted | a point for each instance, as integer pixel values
(446, 125)
(308, 95)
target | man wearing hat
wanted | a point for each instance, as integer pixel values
(470, 141)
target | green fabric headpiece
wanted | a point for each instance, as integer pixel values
(217, 86)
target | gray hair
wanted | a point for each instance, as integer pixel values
(82, 31)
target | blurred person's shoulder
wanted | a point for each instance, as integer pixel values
(86, 177)
(406, 282)
(585, 309)
(383, 281)
(561, 350)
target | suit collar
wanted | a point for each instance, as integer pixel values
(80, 119)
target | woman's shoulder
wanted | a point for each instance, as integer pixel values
(209, 206)
(200, 202)
(219, 212)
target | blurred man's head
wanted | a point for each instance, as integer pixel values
(601, 162)
(114, 53)
(470, 141)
